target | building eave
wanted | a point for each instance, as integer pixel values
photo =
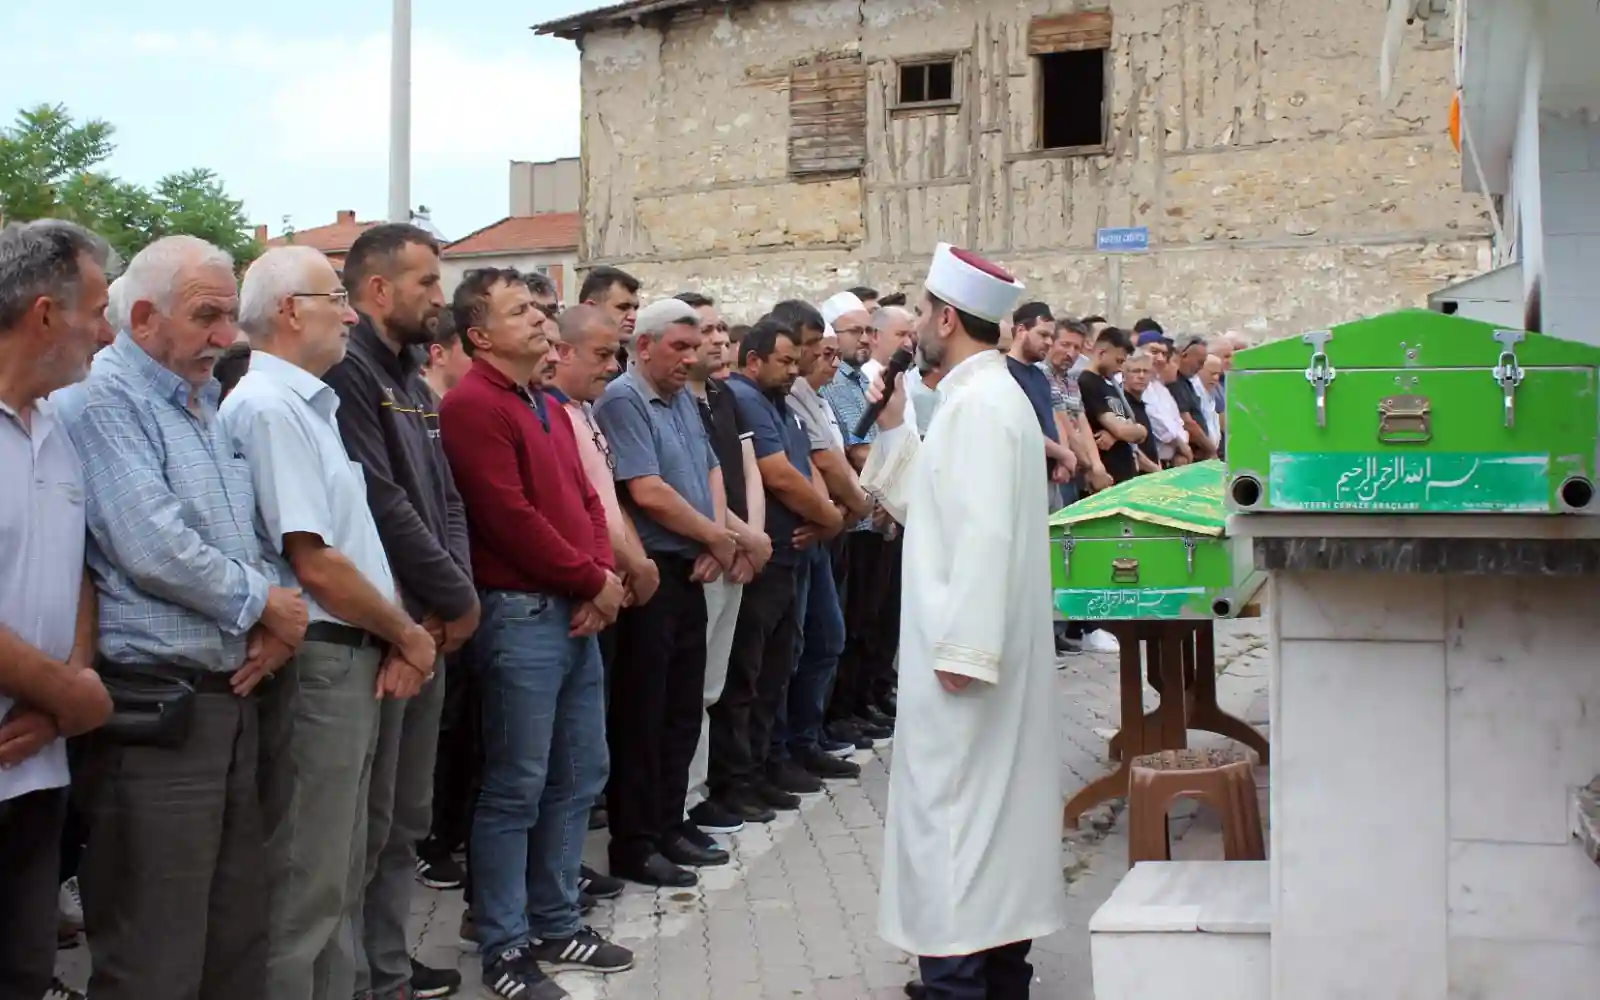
(619, 15)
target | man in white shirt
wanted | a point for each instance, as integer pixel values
(972, 851)
(1172, 441)
(319, 718)
(52, 317)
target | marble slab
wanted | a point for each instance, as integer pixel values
(1218, 897)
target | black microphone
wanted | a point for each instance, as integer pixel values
(897, 366)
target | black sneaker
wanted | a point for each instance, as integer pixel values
(597, 885)
(793, 778)
(586, 903)
(776, 797)
(61, 991)
(748, 805)
(835, 748)
(879, 735)
(431, 982)
(440, 873)
(468, 932)
(714, 818)
(696, 836)
(585, 951)
(825, 765)
(877, 718)
(846, 732)
(516, 976)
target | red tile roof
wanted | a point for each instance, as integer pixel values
(334, 238)
(521, 234)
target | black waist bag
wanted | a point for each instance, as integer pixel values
(150, 707)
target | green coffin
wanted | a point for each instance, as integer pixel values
(1414, 412)
(1151, 548)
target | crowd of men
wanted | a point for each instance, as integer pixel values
(335, 587)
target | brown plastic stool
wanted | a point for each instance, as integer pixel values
(1221, 779)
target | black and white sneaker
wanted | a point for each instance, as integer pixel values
(440, 873)
(61, 991)
(427, 981)
(516, 976)
(597, 885)
(585, 951)
(712, 817)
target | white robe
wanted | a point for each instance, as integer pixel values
(972, 855)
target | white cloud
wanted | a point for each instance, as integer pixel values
(327, 100)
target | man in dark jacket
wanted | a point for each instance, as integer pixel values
(389, 420)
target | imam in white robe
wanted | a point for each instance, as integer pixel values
(972, 855)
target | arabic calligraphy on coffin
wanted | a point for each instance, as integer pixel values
(1411, 482)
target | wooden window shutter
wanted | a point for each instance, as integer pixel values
(828, 116)
(1089, 29)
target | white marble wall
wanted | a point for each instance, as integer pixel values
(1427, 732)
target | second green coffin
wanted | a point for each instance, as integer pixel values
(1151, 548)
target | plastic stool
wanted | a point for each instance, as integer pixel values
(1221, 779)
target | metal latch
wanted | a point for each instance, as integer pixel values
(1189, 545)
(1507, 372)
(1066, 546)
(1319, 373)
(1124, 571)
(1404, 419)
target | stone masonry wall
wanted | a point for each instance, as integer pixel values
(1246, 134)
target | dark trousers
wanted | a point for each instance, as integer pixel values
(174, 880)
(653, 724)
(798, 726)
(759, 664)
(75, 831)
(30, 844)
(871, 600)
(1001, 973)
(455, 770)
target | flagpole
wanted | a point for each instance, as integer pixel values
(400, 114)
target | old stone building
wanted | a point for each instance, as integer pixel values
(756, 150)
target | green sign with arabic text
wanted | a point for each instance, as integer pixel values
(1119, 605)
(1435, 483)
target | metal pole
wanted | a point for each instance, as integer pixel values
(400, 114)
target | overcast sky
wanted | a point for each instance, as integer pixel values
(288, 101)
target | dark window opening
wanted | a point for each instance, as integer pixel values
(927, 83)
(1072, 92)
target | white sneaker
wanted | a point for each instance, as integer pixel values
(70, 904)
(1101, 641)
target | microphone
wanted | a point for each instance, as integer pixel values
(897, 366)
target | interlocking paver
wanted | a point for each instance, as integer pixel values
(795, 913)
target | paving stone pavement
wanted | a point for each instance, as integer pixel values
(794, 915)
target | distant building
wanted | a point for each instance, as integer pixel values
(540, 234)
(333, 240)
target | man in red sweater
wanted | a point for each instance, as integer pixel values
(543, 565)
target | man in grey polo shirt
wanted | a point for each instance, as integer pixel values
(672, 485)
(52, 302)
(174, 892)
(319, 723)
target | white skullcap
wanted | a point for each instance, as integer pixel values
(657, 316)
(840, 304)
(971, 284)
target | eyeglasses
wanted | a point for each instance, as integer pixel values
(553, 310)
(340, 298)
(600, 443)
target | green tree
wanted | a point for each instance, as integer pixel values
(48, 169)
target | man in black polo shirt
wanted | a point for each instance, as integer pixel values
(1116, 432)
(741, 482)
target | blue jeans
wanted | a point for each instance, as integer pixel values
(544, 762)
(798, 725)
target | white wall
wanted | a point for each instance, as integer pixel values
(1427, 734)
(452, 268)
(1569, 169)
